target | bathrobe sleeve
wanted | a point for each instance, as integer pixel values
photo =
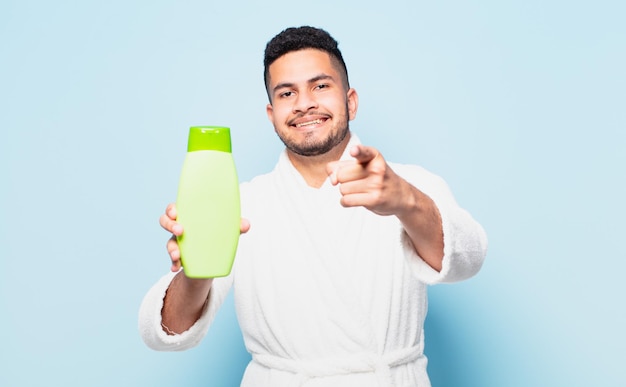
(150, 327)
(465, 241)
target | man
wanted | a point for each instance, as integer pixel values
(330, 277)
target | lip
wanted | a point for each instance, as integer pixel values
(308, 121)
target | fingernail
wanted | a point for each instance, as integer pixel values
(177, 229)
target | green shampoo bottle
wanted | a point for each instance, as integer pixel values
(208, 204)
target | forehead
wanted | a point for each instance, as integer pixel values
(301, 66)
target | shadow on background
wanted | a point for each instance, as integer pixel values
(221, 358)
(451, 361)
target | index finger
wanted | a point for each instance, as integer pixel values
(364, 154)
(168, 220)
(171, 211)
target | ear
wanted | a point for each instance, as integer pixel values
(270, 112)
(353, 103)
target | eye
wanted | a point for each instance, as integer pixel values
(285, 94)
(322, 86)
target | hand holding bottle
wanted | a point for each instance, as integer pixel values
(168, 222)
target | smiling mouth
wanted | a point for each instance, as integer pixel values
(310, 123)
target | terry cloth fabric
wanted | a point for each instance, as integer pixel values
(327, 295)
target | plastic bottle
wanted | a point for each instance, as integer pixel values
(208, 204)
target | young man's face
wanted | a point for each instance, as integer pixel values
(310, 107)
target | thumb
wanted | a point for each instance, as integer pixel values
(331, 170)
(244, 226)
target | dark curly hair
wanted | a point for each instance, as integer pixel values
(300, 38)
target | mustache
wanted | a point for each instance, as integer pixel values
(311, 113)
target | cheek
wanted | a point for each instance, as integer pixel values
(336, 103)
(280, 112)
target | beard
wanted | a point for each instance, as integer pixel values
(315, 147)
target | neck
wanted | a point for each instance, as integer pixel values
(313, 168)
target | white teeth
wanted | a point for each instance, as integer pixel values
(314, 122)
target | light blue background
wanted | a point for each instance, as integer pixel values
(519, 105)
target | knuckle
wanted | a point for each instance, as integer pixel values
(172, 244)
(378, 168)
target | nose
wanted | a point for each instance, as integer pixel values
(304, 102)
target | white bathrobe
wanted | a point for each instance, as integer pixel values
(326, 295)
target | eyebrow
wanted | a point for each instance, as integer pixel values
(317, 78)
